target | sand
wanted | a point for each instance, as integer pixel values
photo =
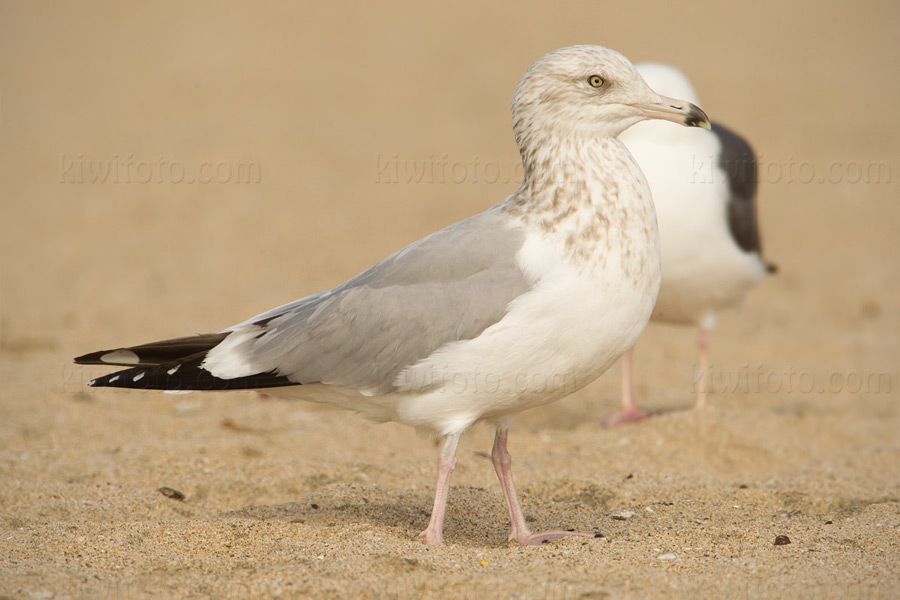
(302, 128)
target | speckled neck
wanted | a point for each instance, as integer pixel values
(590, 197)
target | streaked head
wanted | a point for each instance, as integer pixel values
(590, 91)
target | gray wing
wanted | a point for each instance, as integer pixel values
(739, 164)
(446, 287)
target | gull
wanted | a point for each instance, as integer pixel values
(704, 188)
(507, 310)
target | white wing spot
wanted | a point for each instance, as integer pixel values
(126, 357)
(173, 369)
(111, 379)
(139, 376)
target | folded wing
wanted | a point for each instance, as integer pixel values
(446, 287)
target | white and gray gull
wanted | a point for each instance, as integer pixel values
(507, 310)
(704, 188)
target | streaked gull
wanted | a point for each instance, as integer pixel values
(507, 310)
(704, 188)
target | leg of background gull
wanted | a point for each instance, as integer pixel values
(703, 364)
(628, 411)
(519, 532)
(434, 533)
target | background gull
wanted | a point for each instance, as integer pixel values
(704, 188)
(525, 303)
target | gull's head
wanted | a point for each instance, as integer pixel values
(591, 91)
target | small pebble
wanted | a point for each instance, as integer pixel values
(782, 540)
(171, 493)
(314, 506)
(624, 515)
(667, 556)
(829, 522)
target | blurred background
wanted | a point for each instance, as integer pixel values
(311, 102)
(171, 167)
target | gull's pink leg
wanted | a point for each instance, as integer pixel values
(628, 411)
(434, 533)
(519, 532)
(703, 343)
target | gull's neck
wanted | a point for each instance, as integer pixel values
(590, 198)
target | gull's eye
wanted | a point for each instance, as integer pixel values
(595, 81)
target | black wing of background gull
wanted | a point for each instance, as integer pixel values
(524, 303)
(738, 161)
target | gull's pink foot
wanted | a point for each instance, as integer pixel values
(519, 530)
(531, 539)
(432, 538)
(627, 414)
(628, 410)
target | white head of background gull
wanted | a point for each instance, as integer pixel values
(507, 310)
(704, 188)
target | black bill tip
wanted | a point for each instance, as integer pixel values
(696, 117)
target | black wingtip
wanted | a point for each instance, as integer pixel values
(186, 376)
(92, 358)
(172, 365)
(154, 353)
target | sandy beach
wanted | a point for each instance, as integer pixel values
(172, 169)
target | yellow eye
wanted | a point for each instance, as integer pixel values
(595, 81)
